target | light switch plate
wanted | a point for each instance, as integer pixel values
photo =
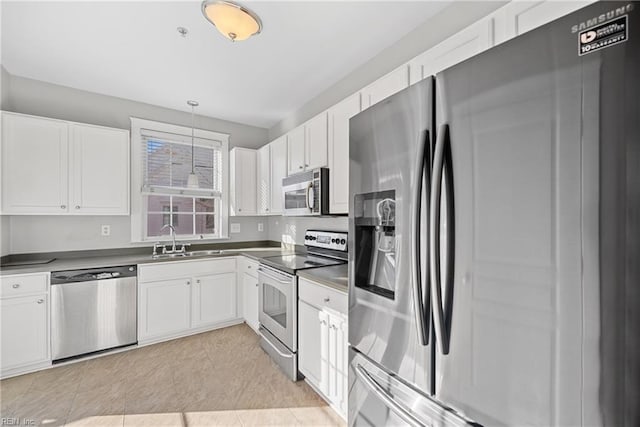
(235, 227)
(260, 226)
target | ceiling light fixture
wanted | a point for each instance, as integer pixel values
(192, 181)
(235, 22)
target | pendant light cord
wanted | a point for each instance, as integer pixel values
(193, 161)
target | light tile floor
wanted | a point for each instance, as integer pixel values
(220, 377)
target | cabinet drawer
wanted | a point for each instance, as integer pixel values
(250, 267)
(23, 285)
(321, 296)
(180, 269)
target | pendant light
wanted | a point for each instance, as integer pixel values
(235, 22)
(192, 181)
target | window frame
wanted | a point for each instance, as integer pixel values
(138, 197)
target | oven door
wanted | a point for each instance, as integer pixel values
(278, 305)
(299, 199)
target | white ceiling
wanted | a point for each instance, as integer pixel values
(132, 50)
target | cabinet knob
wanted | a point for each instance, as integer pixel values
(188, 282)
(198, 281)
(40, 301)
(77, 207)
(63, 206)
(256, 285)
(324, 322)
(327, 299)
(299, 167)
(239, 210)
(267, 209)
(248, 266)
(16, 286)
(306, 165)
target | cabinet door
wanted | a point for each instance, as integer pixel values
(25, 331)
(243, 186)
(264, 179)
(164, 308)
(99, 170)
(213, 299)
(295, 155)
(462, 45)
(250, 300)
(385, 86)
(315, 153)
(310, 344)
(521, 16)
(323, 318)
(338, 145)
(341, 329)
(34, 165)
(278, 171)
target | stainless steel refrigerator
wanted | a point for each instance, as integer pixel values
(495, 236)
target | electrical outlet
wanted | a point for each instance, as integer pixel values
(260, 226)
(105, 230)
(235, 227)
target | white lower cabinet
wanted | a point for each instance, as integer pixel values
(213, 299)
(164, 308)
(248, 274)
(196, 295)
(24, 317)
(322, 342)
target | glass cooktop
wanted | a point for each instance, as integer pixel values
(300, 262)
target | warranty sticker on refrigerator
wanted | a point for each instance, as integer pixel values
(604, 35)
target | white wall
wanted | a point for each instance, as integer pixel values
(451, 20)
(30, 234)
(290, 230)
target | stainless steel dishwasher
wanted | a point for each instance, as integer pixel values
(93, 310)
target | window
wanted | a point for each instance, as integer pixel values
(161, 164)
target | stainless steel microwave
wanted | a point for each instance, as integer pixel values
(306, 193)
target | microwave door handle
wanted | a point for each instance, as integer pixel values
(310, 196)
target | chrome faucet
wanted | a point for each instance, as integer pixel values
(173, 236)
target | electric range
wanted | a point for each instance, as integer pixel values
(278, 294)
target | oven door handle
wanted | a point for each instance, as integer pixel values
(284, 282)
(288, 356)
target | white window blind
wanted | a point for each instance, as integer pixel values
(166, 164)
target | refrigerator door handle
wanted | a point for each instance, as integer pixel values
(434, 240)
(379, 391)
(419, 309)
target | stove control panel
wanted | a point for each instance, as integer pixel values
(335, 240)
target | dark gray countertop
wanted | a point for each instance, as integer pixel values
(336, 276)
(109, 259)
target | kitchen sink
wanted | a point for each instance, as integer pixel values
(188, 254)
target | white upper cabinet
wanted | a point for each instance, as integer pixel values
(35, 162)
(57, 167)
(518, 17)
(264, 179)
(385, 86)
(315, 144)
(272, 167)
(307, 145)
(463, 45)
(295, 155)
(243, 181)
(100, 170)
(338, 145)
(278, 171)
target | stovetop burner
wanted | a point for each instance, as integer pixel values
(293, 263)
(324, 248)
